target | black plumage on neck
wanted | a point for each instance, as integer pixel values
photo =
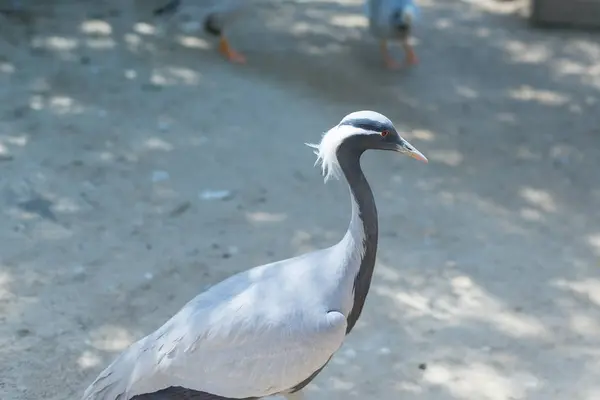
(348, 154)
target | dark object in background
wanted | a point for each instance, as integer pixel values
(211, 25)
(216, 21)
(168, 8)
(40, 206)
(562, 13)
(15, 7)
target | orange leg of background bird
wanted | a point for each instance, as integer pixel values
(229, 52)
(387, 58)
(411, 57)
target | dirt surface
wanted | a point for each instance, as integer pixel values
(114, 126)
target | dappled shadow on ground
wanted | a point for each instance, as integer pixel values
(113, 122)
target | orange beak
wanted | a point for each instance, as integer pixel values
(406, 148)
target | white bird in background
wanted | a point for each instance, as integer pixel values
(271, 329)
(393, 20)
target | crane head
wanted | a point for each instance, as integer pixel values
(358, 132)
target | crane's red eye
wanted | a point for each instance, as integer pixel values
(385, 133)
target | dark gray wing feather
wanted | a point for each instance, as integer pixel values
(179, 393)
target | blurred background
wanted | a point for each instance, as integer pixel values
(138, 167)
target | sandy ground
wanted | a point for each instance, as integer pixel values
(113, 126)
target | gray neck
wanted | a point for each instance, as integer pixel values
(364, 216)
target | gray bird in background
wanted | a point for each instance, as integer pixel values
(219, 16)
(269, 330)
(391, 20)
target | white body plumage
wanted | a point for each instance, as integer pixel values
(255, 334)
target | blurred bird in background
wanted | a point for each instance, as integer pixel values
(220, 15)
(391, 20)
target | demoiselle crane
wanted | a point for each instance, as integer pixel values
(391, 20)
(271, 329)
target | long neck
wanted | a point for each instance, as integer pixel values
(362, 235)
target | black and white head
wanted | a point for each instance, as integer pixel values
(358, 132)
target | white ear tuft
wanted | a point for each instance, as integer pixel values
(326, 154)
(313, 146)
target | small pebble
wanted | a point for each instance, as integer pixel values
(79, 270)
(232, 250)
(216, 195)
(40, 206)
(20, 111)
(164, 126)
(350, 353)
(158, 176)
(79, 273)
(190, 26)
(423, 366)
(151, 87)
(6, 157)
(180, 209)
(23, 332)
